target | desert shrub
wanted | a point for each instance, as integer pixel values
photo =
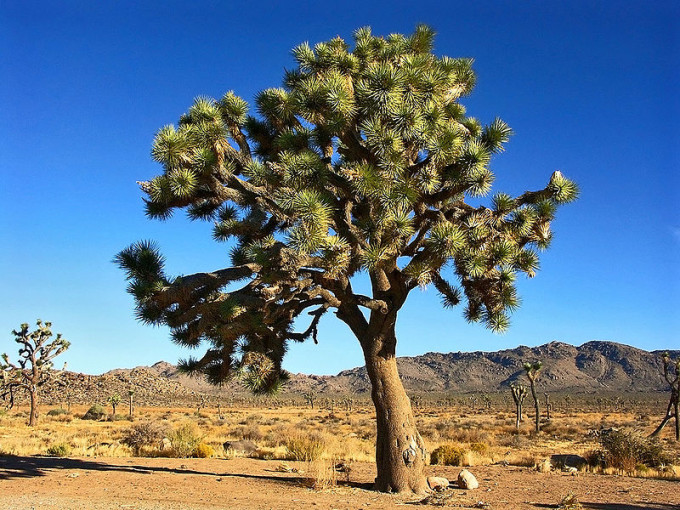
(59, 450)
(143, 435)
(96, 412)
(58, 411)
(522, 459)
(250, 432)
(448, 455)
(626, 449)
(203, 451)
(184, 440)
(307, 447)
(479, 448)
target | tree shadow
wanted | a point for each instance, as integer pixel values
(30, 467)
(12, 466)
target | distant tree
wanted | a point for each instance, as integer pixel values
(34, 366)
(361, 163)
(114, 400)
(519, 393)
(131, 394)
(533, 370)
(310, 398)
(671, 372)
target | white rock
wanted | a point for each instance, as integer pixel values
(437, 483)
(467, 480)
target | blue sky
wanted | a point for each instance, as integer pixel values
(590, 88)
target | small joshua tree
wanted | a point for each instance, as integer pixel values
(519, 393)
(533, 370)
(310, 398)
(131, 393)
(671, 372)
(548, 405)
(34, 367)
(114, 400)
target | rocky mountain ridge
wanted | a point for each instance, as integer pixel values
(596, 366)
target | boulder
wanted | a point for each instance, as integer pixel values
(240, 446)
(437, 483)
(467, 480)
(564, 461)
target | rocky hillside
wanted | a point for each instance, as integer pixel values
(592, 367)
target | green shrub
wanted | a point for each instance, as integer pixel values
(203, 451)
(59, 450)
(184, 440)
(448, 455)
(627, 449)
(96, 412)
(306, 447)
(57, 412)
(144, 435)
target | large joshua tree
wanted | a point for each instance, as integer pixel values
(360, 164)
(34, 367)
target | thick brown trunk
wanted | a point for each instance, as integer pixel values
(33, 416)
(519, 415)
(400, 451)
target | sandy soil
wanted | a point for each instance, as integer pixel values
(241, 483)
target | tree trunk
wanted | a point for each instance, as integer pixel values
(667, 418)
(33, 416)
(400, 451)
(519, 415)
(536, 407)
(676, 405)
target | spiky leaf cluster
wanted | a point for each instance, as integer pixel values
(361, 162)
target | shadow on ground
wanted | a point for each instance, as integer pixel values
(30, 467)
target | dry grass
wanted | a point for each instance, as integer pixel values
(322, 438)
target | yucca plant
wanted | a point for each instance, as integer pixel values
(361, 163)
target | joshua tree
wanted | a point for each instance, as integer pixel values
(533, 370)
(519, 393)
(361, 163)
(548, 405)
(114, 400)
(310, 398)
(34, 367)
(671, 372)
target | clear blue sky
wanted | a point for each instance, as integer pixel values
(590, 88)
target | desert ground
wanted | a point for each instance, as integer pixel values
(316, 458)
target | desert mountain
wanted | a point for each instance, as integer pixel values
(592, 367)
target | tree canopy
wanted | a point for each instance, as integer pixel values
(362, 162)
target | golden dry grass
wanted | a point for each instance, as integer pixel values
(484, 437)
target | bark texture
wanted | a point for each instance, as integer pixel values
(33, 416)
(400, 451)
